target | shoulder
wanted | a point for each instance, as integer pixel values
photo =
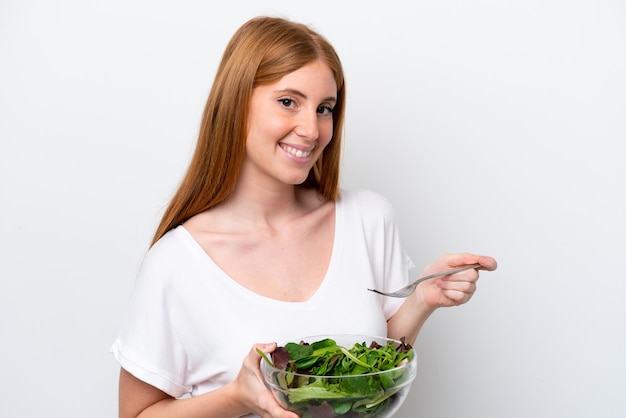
(168, 252)
(172, 239)
(367, 202)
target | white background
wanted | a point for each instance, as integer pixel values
(495, 127)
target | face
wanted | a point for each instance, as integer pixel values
(290, 124)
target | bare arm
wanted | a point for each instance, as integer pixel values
(452, 290)
(142, 400)
(244, 395)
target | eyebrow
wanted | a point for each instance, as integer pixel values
(295, 92)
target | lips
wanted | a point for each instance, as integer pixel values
(295, 151)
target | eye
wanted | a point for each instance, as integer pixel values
(286, 102)
(325, 110)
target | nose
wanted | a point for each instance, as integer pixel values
(308, 125)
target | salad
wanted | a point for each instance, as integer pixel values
(324, 379)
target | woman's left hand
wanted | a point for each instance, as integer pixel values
(455, 289)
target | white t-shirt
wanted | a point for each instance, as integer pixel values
(189, 325)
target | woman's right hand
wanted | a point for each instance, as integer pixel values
(250, 386)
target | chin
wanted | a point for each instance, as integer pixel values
(296, 180)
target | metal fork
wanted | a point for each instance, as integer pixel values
(410, 288)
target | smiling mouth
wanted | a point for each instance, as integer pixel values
(296, 152)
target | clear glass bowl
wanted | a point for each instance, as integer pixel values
(374, 394)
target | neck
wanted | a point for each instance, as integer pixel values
(264, 205)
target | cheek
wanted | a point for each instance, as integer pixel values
(274, 128)
(326, 133)
(263, 124)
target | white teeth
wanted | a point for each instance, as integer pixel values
(296, 152)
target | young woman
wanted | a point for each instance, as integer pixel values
(259, 245)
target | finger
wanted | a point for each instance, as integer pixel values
(487, 263)
(459, 259)
(264, 347)
(470, 275)
(271, 408)
(464, 286)
(456, 297)
(463, 259)
(253, 359)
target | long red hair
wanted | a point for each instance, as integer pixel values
(262, 51)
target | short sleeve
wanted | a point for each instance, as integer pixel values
(396, 265)
(389, 263)
(147, 345)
